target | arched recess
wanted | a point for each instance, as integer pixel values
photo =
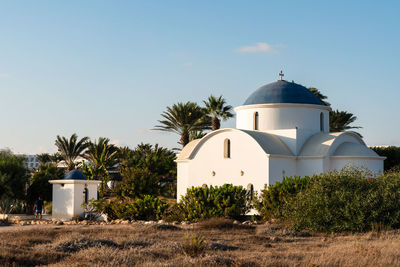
(227, 148)
(321, 122)
(250, 191)
(255, 121)
(86, 195)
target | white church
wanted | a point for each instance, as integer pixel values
(282, 129)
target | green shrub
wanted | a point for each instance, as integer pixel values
(346, 201)
(220, 201)
(174, 213)
(146, 208)
(273, 200)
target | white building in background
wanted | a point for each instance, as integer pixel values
(32, 162)
(70, 193)
(282, 129)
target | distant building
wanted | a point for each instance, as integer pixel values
(31, 162)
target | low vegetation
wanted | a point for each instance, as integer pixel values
(214, 201)
(147, 245)
(335, 202)
(146, 208)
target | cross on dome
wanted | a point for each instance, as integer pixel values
(281, 75)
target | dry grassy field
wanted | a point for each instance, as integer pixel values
(225, 244)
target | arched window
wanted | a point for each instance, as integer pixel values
(255, 121)
(250, 191)
(321, 122)
(227, 148)
(86, 195)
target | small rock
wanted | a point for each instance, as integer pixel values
(236, 222)
(125, 222)
(175, 223)
(24, 223)
(161, 222)
(276, 239)
(184, 223)
(246, 222)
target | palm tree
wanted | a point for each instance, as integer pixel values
(217, 109)
(102, 156)
(184, 118)
(71, 149)
(196, 135)
(320, 96)
(44, 158)
(340, 121)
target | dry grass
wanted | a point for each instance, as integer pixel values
(151, 245)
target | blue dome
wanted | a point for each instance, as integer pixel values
(282, 92)
(75, 175)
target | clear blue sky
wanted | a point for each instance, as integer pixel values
(109, 68)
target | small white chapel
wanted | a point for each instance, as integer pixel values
(282, 129)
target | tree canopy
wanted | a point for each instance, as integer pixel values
(217, 109)
(184, 118)
(13, 175)
(72, 148)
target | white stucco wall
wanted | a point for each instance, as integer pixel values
(63, 201)
(282, 116)
(68, 197)
(281, 167)
(246, 156)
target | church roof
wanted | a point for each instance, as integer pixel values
(348, 149)
(271, 144)
(346, 144)
(75, 175)
(282, 92)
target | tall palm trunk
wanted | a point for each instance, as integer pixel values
(184, 139)
(215, 124)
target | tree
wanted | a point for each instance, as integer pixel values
(218, 110)
(392, 154)
(40, 185)
(196, 135)
(340, 121)
(13, 176)
(183, 118)
(102, 156)
(44, 158)
(137, 182)
(157, 160)
(320, 96)
(71, 149)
